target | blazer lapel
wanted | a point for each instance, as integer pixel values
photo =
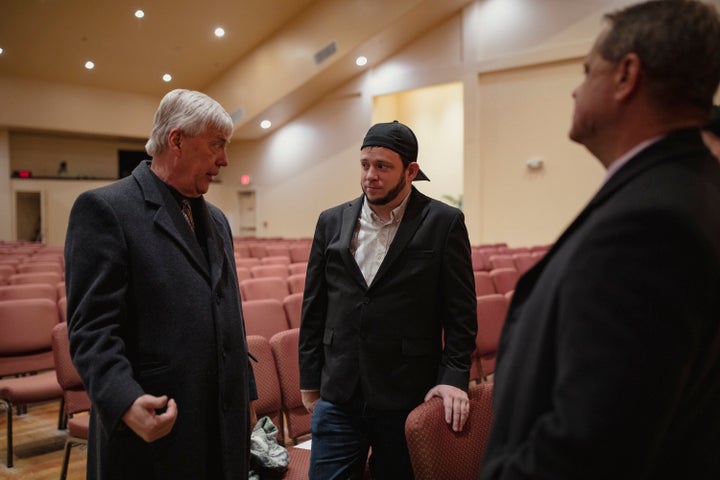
(168, 219)
(415, 212)
(350, 215)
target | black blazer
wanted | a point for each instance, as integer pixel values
(609, 361)
(148, 313)
(387, 338)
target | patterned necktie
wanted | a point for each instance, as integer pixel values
(187, 213)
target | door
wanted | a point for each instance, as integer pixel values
(28, 216)
(248, 217)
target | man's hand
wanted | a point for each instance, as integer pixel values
(310, 398)
(143, 419)
(455, 402)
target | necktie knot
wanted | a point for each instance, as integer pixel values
(187, 213)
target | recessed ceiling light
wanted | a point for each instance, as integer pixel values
(139, 13)
(167, 77)
(265, 124)
(361, 61)
(219, 32)
(89, 65)
(1, 51)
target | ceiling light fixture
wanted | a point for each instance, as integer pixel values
(139, 14)
(361, 61)
(89, 65)
(219, 32)
(265, 124)
(167, 77)
(1, 51)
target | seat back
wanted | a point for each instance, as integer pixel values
(269, 270)
(264, 317)
(264, 288)
(269, 402)
(52, 278)
(491, 313)
(25, 341)
(299, 253)
(28, 290)
(293, 309)
(42, 267)
(299, 267)
(483, 283)
(504, 279)
(504, 260)
(438, 452)
(76, 399)
(285, 349)
(296, 283)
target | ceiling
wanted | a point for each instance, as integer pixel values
(50, 40)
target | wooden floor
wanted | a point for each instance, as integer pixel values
(38, 446)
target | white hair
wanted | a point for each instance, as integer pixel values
(190, 111)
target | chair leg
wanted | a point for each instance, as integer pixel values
(66, 459)
(9, 409)
(62, 416)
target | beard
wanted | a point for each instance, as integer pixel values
(391, 195)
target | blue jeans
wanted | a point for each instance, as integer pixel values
(343, 434)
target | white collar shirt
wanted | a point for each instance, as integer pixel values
(373, 236)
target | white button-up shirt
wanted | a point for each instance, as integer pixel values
(373, 236)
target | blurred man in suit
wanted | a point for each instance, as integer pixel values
(609, 361)
(154, 317)
(389, 273)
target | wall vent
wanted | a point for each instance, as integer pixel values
(325, 53)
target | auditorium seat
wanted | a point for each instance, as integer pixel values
(491, 312)
(269, 402)
(51, 278)
(299, 253)
(264, 287)
(25, 347)
(524, 261)
(269, 270)
(293, 309)
(40, 267)
(300, 267)
(264, 317)
(28, 290)
(76, 403)
(285, 350)
(483, 284)
(276, 260)
(436, 451)
(501, 261)
(504, 279)
(247, 262)
(296, 283)
(479, 260)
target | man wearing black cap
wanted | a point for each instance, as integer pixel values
(388, 279)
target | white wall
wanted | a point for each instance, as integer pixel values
(516, 63)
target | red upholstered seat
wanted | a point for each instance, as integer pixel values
(436, 452)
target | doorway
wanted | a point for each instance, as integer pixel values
(248, 217)
(28, 216)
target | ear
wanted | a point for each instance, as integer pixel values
(174, 139)
(628, 75)
(413, 169)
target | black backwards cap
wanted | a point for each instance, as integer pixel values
(398, 138)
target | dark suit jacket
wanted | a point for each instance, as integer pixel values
(609, 361)
(147, 313)
(387, 337)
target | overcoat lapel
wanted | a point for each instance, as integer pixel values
(215, 246)
(169, 220)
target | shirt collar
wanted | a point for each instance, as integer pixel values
(627, 156)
